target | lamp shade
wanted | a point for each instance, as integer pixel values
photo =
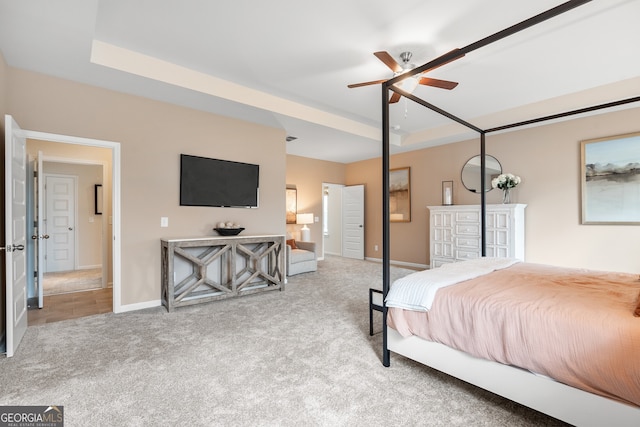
(305, 218)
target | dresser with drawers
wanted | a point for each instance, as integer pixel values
(455, 232)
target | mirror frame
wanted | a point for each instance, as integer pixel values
(489, 176)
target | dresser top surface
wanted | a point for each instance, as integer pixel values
(206, 238)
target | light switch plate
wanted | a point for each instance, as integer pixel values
(164, 221)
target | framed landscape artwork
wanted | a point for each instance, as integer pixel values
(292, 204)
(400, 195)
(610, 175)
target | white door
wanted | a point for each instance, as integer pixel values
(40, 235)
(353, 221)
(60, 206)
(16, 234)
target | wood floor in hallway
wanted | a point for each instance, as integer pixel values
(72, 305)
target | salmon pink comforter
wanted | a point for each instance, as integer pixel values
(575, 326)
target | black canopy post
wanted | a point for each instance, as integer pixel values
(483, 195)
(386, 256)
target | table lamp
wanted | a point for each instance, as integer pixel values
(304, 219)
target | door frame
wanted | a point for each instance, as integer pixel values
(115, 195)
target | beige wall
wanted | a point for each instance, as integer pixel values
(152, 136)
(548, 160)
(308, 175)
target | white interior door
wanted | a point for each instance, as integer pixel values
(40, 235)
(353, 221)
(60, 218)
(16, 234)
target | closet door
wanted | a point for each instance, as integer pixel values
(353, 221)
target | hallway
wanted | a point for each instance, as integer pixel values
(71, 306)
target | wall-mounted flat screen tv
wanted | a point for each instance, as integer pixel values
(219, 183)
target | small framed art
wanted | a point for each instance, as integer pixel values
(447, 193)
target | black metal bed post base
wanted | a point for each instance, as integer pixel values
(386, 354)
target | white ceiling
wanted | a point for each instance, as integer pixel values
(287, 63)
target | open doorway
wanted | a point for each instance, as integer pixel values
(332, 219)
(343, 220)
(70, 254)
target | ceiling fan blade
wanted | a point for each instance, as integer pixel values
(395, 98)
(375, 82)
(442, 84)
(388, 61)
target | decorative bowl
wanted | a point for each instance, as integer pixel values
(229, 231)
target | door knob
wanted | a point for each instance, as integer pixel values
(70, 229)
(11, 248)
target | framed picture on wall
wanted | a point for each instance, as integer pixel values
(292, 204)
(610, 175)
(400, 195)
(97, 194)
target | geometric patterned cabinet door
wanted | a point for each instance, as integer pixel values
(455, 232)
(206, 269)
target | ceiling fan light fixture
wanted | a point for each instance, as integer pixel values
(409, 84)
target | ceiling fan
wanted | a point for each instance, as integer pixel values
(410, 83)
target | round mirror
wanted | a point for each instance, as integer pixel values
(471, 173)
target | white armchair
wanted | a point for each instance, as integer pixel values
(302, 259)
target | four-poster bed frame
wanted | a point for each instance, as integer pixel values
(540, 393)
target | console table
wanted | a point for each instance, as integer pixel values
(198, 270)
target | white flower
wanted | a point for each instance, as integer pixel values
(505, 181)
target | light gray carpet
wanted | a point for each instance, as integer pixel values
(302, 357)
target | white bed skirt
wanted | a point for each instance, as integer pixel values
(558, 400)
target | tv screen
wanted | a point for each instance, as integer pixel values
(219, 183)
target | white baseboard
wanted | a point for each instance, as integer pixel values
(140, 306)
(88, 267)
(401, 263)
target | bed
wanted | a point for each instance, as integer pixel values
(583, 407)
(562, 341)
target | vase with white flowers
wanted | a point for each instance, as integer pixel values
(505, 182)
